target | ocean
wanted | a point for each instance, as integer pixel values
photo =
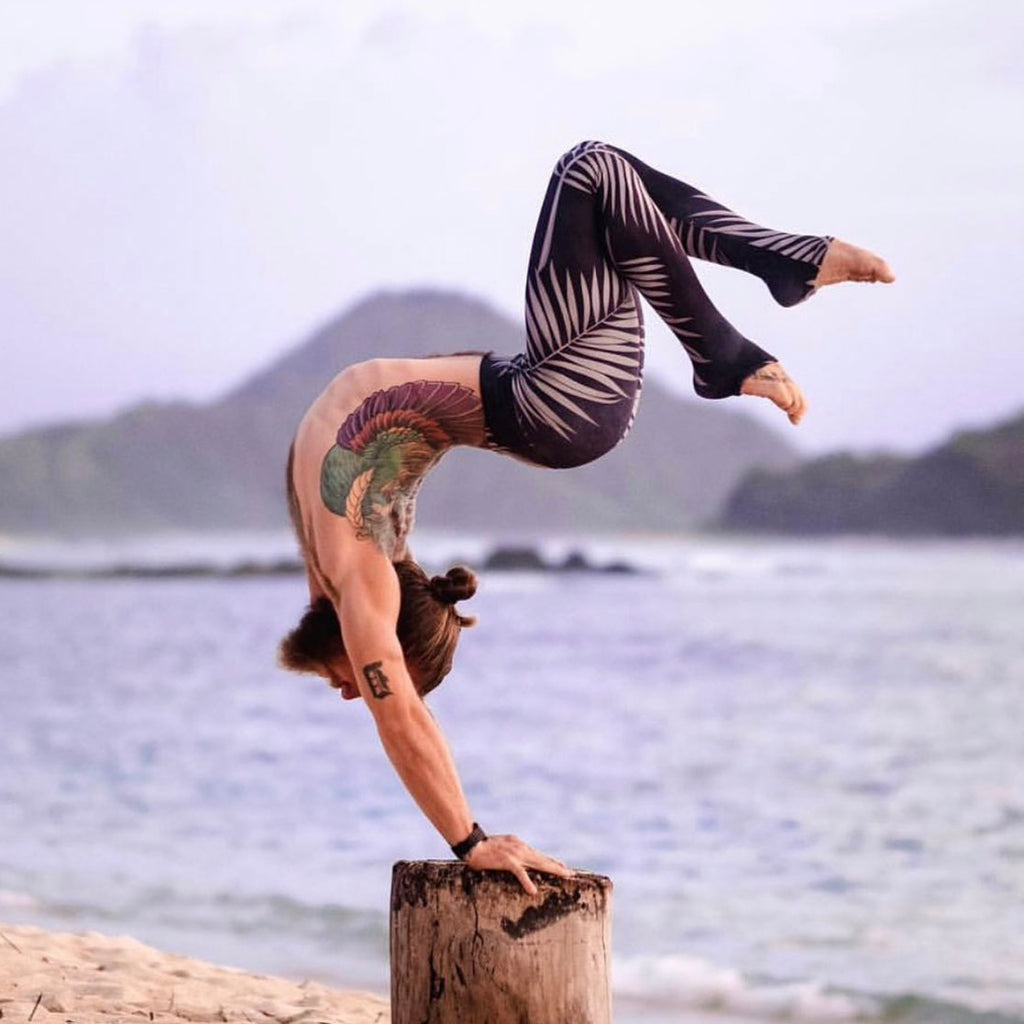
(801, 763)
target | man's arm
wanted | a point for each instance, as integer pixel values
(367, 605)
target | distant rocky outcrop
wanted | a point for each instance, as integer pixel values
(972, 484)
(502, 558)
(525, 558)
(221, 465)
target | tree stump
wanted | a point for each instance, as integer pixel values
(471, 947)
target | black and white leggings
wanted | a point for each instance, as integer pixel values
(609, 227)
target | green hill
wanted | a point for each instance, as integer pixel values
(221, 465)
(972, 484)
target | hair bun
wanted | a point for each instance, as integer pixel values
(457, 584)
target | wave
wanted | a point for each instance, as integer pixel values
(672, 986)
(684, 556)
(227, 913)
(679, 982)
(167, 552)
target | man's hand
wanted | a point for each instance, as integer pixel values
(510, 853)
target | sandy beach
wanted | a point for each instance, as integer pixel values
(92, 978)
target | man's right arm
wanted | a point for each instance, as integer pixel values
(367, 609)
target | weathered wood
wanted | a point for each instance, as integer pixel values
(472, 948)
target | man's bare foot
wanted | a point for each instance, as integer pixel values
(772, 382)
(845, 262)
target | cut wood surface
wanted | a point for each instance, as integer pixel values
(472, 947)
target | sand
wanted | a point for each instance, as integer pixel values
(96, 979)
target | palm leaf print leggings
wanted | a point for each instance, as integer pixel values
(610, 227)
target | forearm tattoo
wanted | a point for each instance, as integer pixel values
(373, 673)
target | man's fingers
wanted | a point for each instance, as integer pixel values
(540, 861)
(524, 879)
(510, 853)
(550, 866)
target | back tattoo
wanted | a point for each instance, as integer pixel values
(383, 449)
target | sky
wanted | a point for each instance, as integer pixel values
(189, 189)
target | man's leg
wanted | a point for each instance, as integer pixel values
(792, 266)
(603, 187)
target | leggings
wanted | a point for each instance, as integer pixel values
(611, 227)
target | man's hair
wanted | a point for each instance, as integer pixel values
(428, 624)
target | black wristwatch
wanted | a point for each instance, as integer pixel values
(462, 850)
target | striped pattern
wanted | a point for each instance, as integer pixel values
(584, 346)
(698, 235)
(605, 237)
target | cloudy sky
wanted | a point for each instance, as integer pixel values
(189, 188)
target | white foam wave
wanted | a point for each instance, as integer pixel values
(214, 549)
(693, 984)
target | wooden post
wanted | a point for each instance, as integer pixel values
(471, 947)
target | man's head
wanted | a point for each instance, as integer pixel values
(428, 630)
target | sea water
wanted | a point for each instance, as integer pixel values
(802, 764)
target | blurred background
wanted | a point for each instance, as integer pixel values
(210, 209)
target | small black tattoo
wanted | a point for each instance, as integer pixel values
(378, 682)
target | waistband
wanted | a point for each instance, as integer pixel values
(498, 402)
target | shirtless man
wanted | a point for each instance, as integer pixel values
(610, 229)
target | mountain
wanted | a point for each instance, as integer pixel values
(973, 484)
(183, 466)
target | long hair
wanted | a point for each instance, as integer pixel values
(428, 626)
